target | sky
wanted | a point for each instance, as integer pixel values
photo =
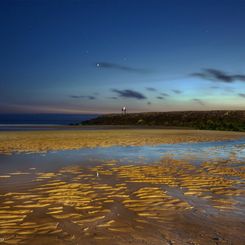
(88, 56)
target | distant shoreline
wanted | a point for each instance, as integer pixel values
(224, 120)
(43, 119)
(43, 127)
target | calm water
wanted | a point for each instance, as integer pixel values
(25, 121)
(193, 152)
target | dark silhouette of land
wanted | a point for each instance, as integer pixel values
(211, 120)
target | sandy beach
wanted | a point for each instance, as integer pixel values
(120, 201)
(43, 141)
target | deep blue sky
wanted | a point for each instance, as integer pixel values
(97, 56)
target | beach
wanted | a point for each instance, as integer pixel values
(52, 140)
(122, 122)
(122, 186)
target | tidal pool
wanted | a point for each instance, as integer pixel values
(194, 152)
(188, 193)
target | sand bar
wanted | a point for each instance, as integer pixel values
(43, 141)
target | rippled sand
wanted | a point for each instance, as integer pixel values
(42, 141)
(168, 202)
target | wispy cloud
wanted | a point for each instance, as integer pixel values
(160, 98)
(242, 95)
(151, 89)
(90, 97)
(127, 93)
(108, 65)
(219, 76)
(200, 102)
(164, 94)
(176, 91)
(113, 98)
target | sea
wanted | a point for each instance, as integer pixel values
(40, 121)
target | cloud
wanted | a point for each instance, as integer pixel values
(127, 93)
(219, 76)
(107, 65)
(176, 91)
(160, 98)
(242, 95)
(90, 97)
(164, 94)
(199, 101)
(76, 96)
(151, 89)
(113, 98)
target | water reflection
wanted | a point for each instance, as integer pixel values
(106, 195)
(194, 152)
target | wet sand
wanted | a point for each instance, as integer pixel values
(169, 201)
(43, 141)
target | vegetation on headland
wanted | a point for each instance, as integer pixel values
(209, 120)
